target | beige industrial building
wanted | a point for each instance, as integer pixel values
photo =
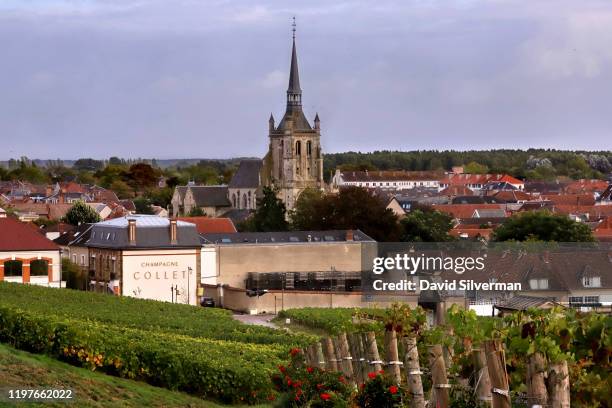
(295, 269)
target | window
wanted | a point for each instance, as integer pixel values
(538, 283)
(309, 148)
(13, 268)
(298, 148)
(83, 260)
(74, 259)
(591, 299)
(575, 299)
(39, 267)
(591, 281)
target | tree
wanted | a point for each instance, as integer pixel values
(196, 212)
(143, 175)
(351, 208)
(305, 214)
(81, 213)
(143, 206)
(542, 226)
(270, 214)
(75, 277)
(426, 225)
(88, 164)
(122, 189)
(475, 168)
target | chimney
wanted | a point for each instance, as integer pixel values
(173, 232)
(132, 231)
(349, 235)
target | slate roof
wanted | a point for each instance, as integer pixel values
(299, 120)
(152, 232)
(18, 236)
(210, 196)
(284, 237)
(76, 236)
(523, 302)
(390, 175)
(247, 175)
(477, 200)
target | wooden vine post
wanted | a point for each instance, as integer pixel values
(346, 358)
(496, 365)
(372, 353)
(319, 355)
(354, 339)
(392, 355)
(536, 380)
(440, 386)
(482, 382)
(413, 372)
(329, 353)
(364, 362)
(559, 385)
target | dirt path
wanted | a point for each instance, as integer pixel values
(258, 320)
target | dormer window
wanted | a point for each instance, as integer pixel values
(538, 283)
(591, 281)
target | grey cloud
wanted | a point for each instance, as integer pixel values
(199, 79)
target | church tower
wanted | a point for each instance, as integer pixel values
(294, 161)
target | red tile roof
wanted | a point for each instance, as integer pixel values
(208, 225)
(461, 232)
(570, 199)
(18, 236)
(457, 190)
(584, 186)
(466, 210)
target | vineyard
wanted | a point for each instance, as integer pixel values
(368, 357)
(200, 351)
(538, 357)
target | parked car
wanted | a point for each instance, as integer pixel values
(207, 302)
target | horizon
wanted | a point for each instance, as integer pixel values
(229, 158)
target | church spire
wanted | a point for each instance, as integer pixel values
(294, 93)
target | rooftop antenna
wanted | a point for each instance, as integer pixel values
(293, 27)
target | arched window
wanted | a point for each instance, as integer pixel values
(234, 202)
(13, 268)
(244, 200)
(39, 267)
(309, 148)
(249, 201)
(298, 148)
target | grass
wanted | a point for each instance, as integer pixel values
(22, 370)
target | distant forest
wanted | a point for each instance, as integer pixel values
(126, 175)
(532, 164)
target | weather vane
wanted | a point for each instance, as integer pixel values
(293, 29)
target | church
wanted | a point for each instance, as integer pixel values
(293, 163)
(294, 160)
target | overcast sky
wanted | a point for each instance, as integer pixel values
(195, 78)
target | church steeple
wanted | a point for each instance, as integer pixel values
(294, 93)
